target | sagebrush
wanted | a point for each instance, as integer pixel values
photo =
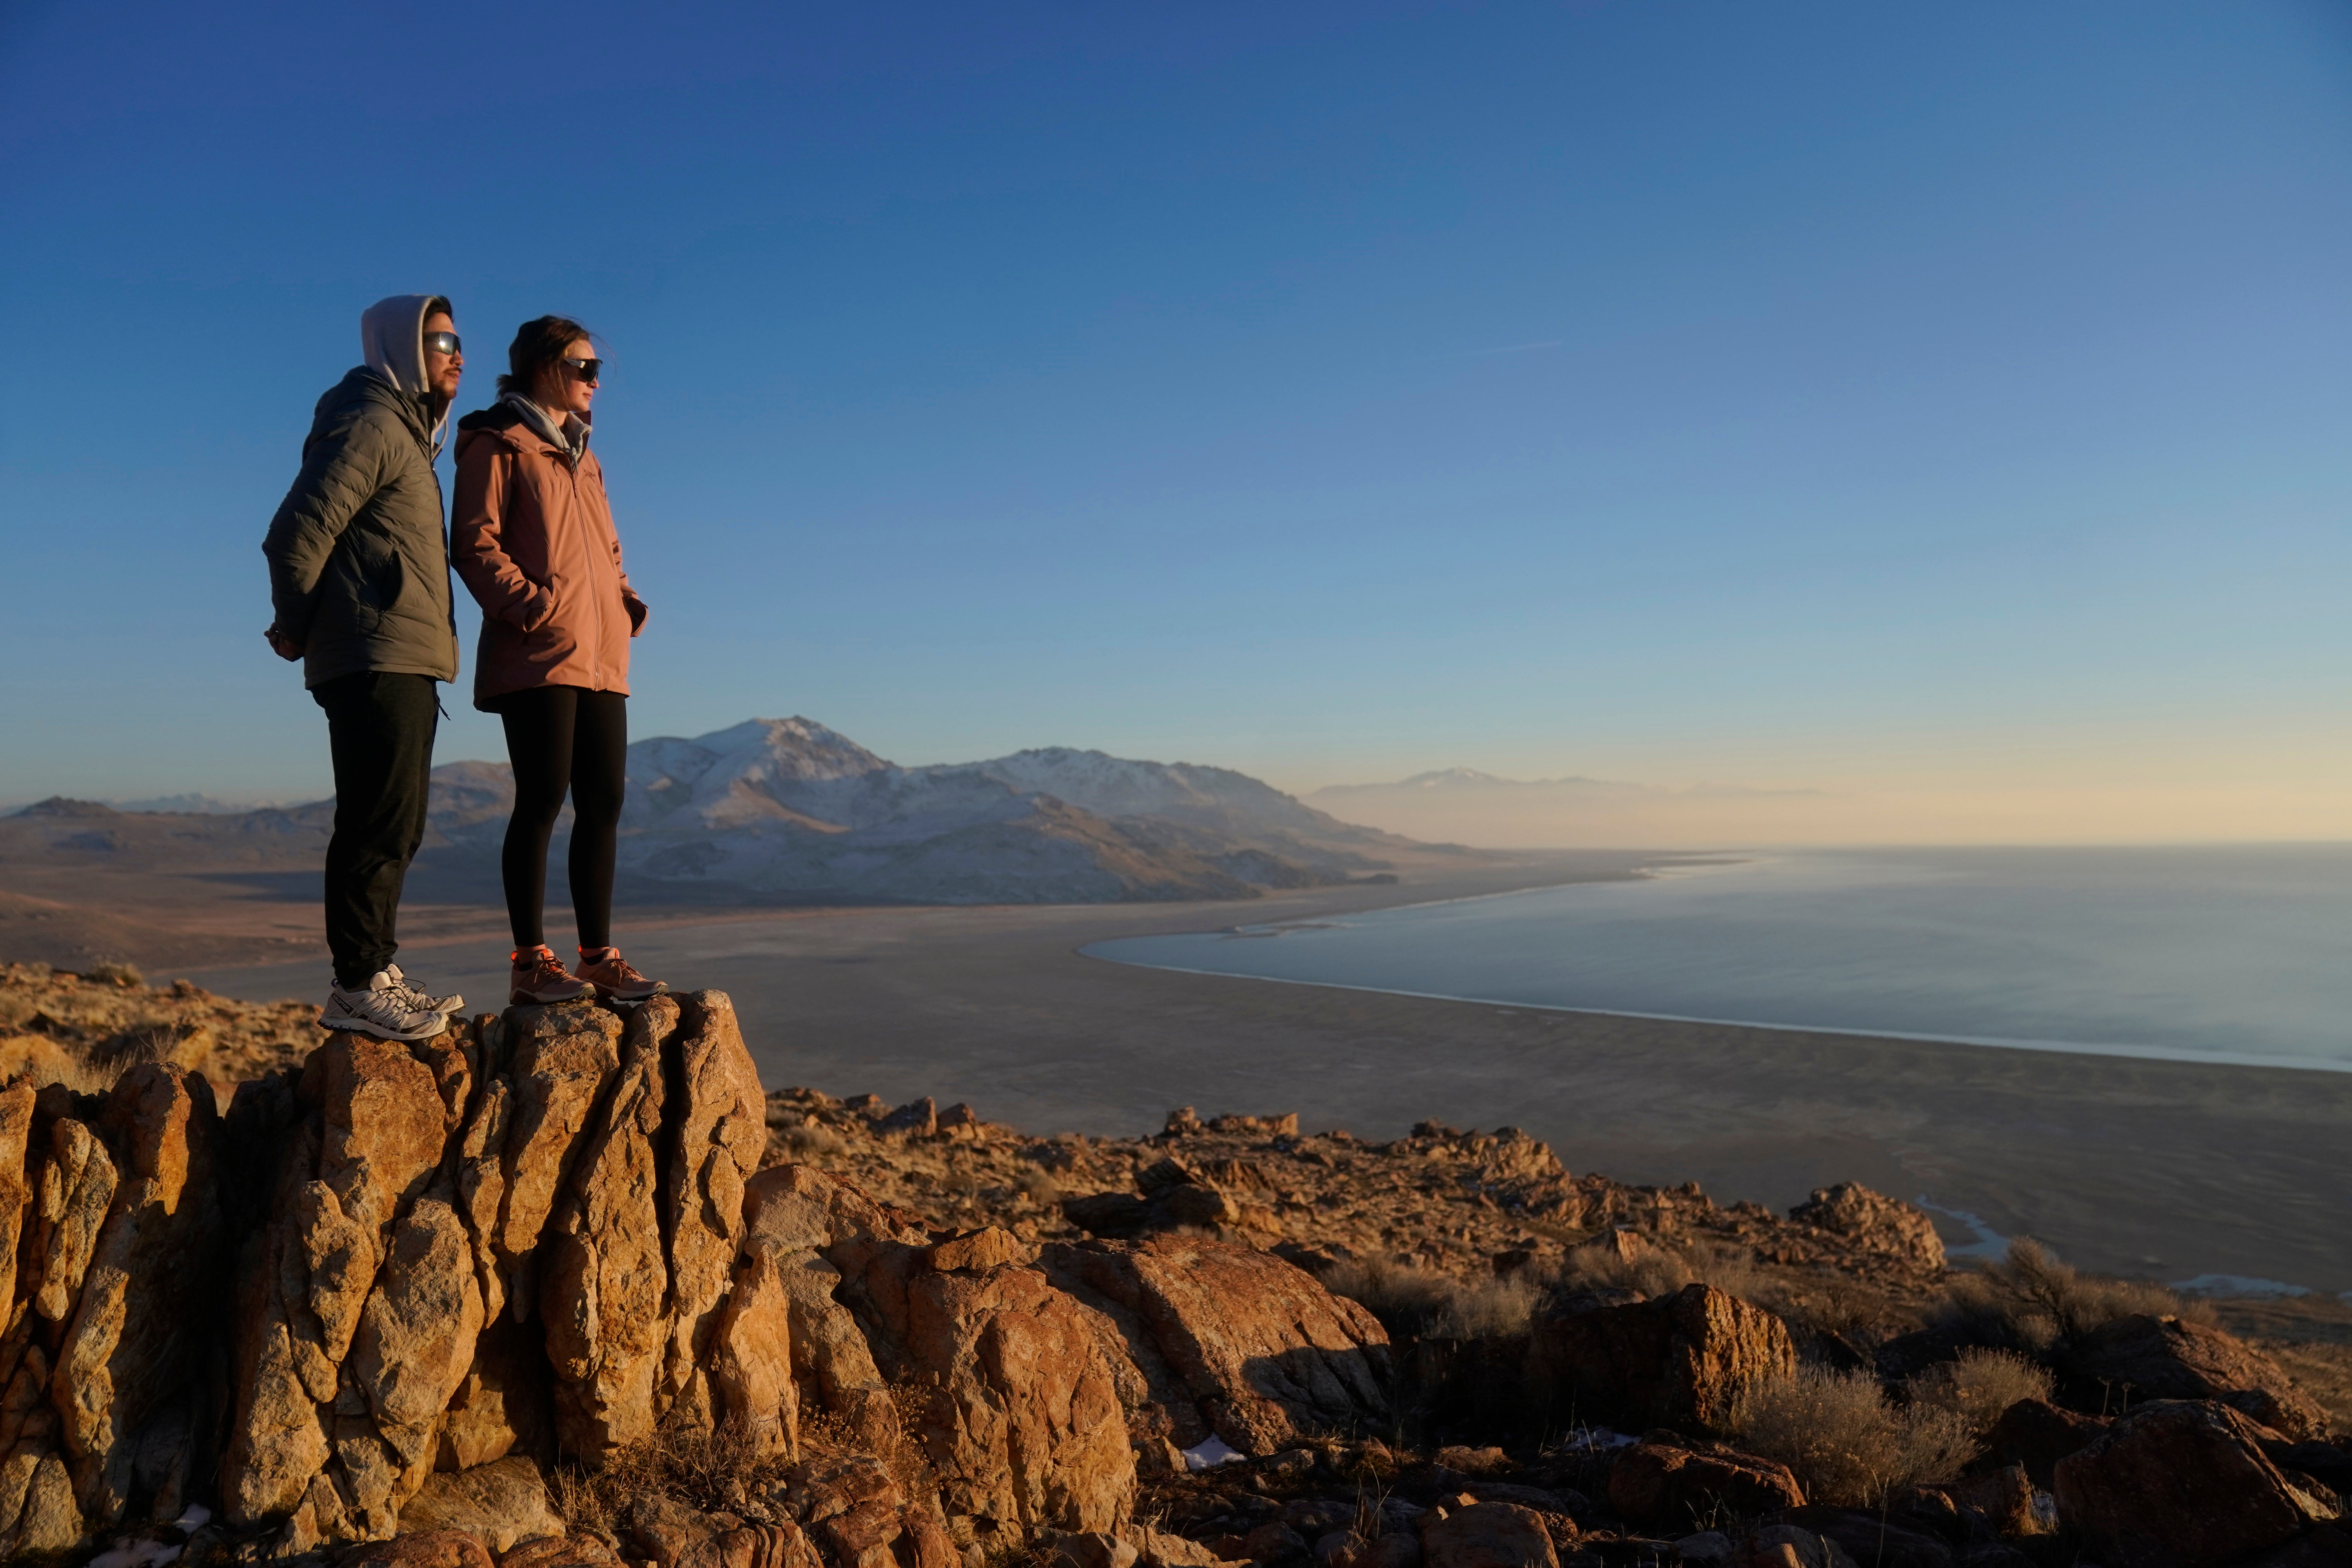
(713, 1470)
(1847, 1445)
(2032, 1303)
(1423, 1303)
(1979, 1386)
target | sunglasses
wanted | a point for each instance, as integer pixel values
(585, 369)
(441, 342)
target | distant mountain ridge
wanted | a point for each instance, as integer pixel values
(787, 810)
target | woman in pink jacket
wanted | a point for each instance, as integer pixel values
(532, 537)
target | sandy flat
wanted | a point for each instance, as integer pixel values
(2145, 1167)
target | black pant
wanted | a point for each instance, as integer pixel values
(380, 730)
(559, 738)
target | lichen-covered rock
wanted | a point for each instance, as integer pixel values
(149, 1298)
(561, 1059)
(1014, 1403)
(499, 1504)
(77, 1188)
(1261, 1354)
(2180, 1484)
(720, 1131)
(2171, 1358)
(16, 1101)
(422, 1549)
(1656, 1484)
(751, 1358)
(602, 1279)
(1678, 1360)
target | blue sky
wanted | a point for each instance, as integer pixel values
(1845, 396)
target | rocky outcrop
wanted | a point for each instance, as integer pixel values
(397, 1258)
(2172, 1358)
(2180, 1484)
(1875, 1223)
(1678, 1360)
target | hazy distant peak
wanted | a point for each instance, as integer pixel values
(1472, 779)
(63, 805)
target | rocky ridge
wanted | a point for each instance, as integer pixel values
(565, 1286)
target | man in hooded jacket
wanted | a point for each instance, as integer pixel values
(359, 575)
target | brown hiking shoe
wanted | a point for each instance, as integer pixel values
(538, 977)
(614, 978)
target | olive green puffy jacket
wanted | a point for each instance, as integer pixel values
(359, 563)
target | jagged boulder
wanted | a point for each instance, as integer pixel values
(1232, 1341)
(2171, 1358)
(2180, 1484)
(1678, 1360)
(1008, 1389)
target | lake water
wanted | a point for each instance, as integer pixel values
(2220, 955)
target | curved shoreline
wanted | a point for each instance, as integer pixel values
(2059, 1047)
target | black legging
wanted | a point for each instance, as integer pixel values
(560, 737)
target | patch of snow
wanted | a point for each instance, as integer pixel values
(136, 1555)
(1210, 1453)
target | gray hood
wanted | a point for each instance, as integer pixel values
(392, 341)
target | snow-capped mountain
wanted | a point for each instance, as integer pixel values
(787, 810)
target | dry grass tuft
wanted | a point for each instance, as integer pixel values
(1659, 1270)
(1846, 1445)
(712, 1470)
(1041, 1188)
(1422, 1303)
(1979, 1386)
(812, 1141)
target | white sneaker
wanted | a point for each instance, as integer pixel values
(381, 1009)
(418, 1000)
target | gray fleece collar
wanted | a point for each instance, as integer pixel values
(571, 438)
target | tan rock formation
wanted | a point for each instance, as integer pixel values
(1231, 1341)
(1678, 1360)
(499, 1504)
(1015, 1405)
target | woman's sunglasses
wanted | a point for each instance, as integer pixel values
(441, 342)
(585, 369)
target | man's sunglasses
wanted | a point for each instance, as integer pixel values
(585, 369)
(441, 342)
